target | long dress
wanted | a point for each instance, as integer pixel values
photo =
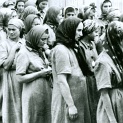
(36, 95)
(91, 55)
(12, 90)
(104, 72)
(64, 62)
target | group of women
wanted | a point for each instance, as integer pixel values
(61, 70)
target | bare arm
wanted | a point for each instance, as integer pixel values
(65, 91)
(32, 76)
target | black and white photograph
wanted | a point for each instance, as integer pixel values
(61, 61)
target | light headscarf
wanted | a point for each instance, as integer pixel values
(29, 10)
(28, 22)
(89, 26)
(113, 13)
(34, 36)
(17, 23)
(5, 14)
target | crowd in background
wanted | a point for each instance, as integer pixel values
(60, 65)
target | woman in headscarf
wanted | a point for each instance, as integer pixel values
(87, 44)
(31, 21)
(12, 90)
(52, 19)
(109, 76)
(90, 11)
(29, 10)
(33, 73)
(113, 15)
(69, 96)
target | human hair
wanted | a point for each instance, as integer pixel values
(18, 2)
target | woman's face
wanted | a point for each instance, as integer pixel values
(43, 40)
(94, 34)
(36, 22)
(79, 33)
(106, 7)
(13, 32)
(43, 5)
(59, 17)
(20, 7)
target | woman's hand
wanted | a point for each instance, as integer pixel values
(73, 113)
(46, 72)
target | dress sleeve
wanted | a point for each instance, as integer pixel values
(3, 53)
(62, 61)
(22, 63)
(102, 74)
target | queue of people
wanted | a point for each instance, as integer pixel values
(58, 65)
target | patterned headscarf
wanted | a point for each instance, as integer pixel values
(89, 26)
(28, 22)
(29, 10)
(115, 37)
(34, 36)
(65, 33)
(113, 13)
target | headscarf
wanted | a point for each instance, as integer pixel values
(29, 3)
(28, 22)
(29, 10)
(65, 33)
(113, 13)
(51, 16)
(39, 1)
(114, 37)
(69, 9)
(105, 1)
(17, 23)
(34, 36)
(5, 14)
(88, 9)
(89, 26)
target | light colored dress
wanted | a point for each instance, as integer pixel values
(64, 62)
(12, 90)
(103, 72)
(36, 95)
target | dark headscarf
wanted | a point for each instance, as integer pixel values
(66, 35)
(29, 10)
(115, 37)
(34, 36)
(28, 22)
(51, 16)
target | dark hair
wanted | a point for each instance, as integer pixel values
(18, 2)
(105, 1)
(69, 9)
(22, 32)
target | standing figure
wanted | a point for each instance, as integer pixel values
(33, 73)
(69, 96)
(109, 77)
(12, 90)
